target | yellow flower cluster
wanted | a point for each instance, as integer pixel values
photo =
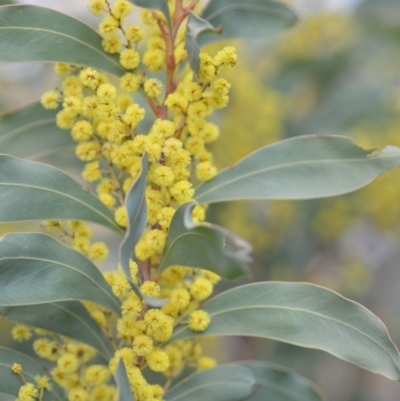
(113, 131)
(78, 234)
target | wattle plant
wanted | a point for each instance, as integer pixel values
(137, 100)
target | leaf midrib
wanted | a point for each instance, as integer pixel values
(62, 194)
(26, 127)
(59, 264)
(26, 373)
(262, 9)
(206, 385)
(280, 389)
(74, 39)
(176, 239)
(305, 311)
(100, 339)
(281, 166)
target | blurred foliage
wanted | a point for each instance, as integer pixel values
(330, 74)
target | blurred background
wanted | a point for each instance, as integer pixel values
(336, 72)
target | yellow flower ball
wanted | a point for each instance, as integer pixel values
(50, 99)
(121, 216)
(157, 360)
(199, 320)
(129, 59)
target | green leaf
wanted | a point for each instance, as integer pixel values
(124, 388)
(205, 246)
(24, 132)
(276, 383)
(11, 382)
(30, 33)
(223, 383)
(305, 315)
(160, 5)
(136, 208)
(35, 191)
(37, 269)
(69, 318)
(194, 28)
(299, 168)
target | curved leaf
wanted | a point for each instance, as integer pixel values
(37, 269)
(11, 382)
(247, 18)
(160, 5)
(135, 203)
(223, 383)
(31, 33)
(299, 168)
(23, 133)
(136, 207)
(276, 383)
(234, 19)
(195, 27)
(69, 318)
(205, 246)
(124, 388)
(305, 315)
(35, 191)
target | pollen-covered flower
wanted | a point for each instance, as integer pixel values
(50, 99)
(163, 176)
(89, 78)
(106, 93)
(68, 363)
(20, 332)
(92, 172)
(97, 7)
(182, 191)
(199, 320)
(142, 345)
(153, 87)
(16, 368)
(43, 382)
(98, 251)
(157, 360)
(28, 392)
(121, 216)
(129, 59)
(150, 288)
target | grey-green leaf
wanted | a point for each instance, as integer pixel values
(30, 33)
(24, 132)
(223, 383)
(276, 383)
(37, 269)
(195, 27)
(35, 191)
(160, 5)
(247, 18)
(124, 388)
(223, 19)
(11, 382)
(299, 168)
(305, 315)
(205, 246)
(136, 207)
(68, 318)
